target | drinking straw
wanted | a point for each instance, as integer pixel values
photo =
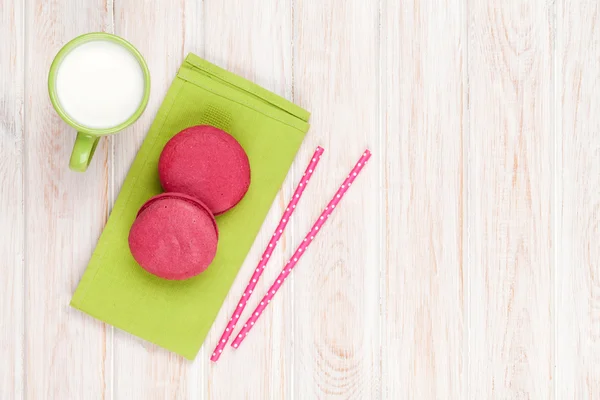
(267, 254)
(301, 249)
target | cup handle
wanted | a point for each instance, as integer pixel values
(83, 151)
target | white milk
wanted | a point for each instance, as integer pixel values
(100, 84)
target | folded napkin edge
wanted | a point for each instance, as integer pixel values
(248, 86)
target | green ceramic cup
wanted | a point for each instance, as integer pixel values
(87, 138)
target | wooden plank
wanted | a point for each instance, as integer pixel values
(509, 222)
(67, 353)
(578, 200)
(425, 95)
(336, 286)
(12, 219)
(164, 32)
(256, 43)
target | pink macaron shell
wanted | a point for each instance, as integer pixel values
(206, 163)
(174, 236)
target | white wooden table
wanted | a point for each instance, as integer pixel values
(465, 262)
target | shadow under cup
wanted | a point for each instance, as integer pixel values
(89, 135)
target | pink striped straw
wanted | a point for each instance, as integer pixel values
(301, 249)
(267, 254)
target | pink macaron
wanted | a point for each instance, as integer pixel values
(174, 236)
(206, 163)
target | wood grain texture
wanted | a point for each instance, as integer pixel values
(164, 32)
(336, 286)
(423, 70)
(509, 182)
(66, 353)
(12, 245)
(462, 264)
(578, 200)
(254, 41)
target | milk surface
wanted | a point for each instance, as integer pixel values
(100, 84)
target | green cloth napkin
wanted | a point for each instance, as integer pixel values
(177, 315)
